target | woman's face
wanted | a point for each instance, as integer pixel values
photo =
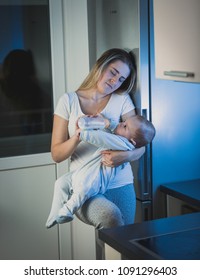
(112, 78)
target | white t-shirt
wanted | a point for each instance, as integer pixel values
(68, 108)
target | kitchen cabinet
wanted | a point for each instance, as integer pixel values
(182, 197)
(177, 40)
(25, 199)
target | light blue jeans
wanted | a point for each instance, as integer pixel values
(116, 207)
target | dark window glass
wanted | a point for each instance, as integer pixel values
(26, 105)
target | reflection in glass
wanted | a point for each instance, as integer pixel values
(25, 78)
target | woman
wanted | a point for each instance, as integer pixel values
(105, 90)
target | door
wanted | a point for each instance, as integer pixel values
(32, 79)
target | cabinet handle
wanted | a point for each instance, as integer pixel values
(179, 74)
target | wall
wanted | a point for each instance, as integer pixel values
(75, 42)
(113, 23)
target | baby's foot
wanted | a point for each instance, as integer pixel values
(51, 223)
(64, 215)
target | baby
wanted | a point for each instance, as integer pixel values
(74, 188)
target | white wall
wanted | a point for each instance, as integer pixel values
(75, 42)
(116, 25)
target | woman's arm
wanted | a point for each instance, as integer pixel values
(116, 158)
(62, 147)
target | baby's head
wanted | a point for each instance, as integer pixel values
(137, 130)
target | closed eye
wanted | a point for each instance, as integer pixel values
(113, 72)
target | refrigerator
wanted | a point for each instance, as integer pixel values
(175, 112)
(173, 107)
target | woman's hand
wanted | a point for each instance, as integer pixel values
(116, 158)
(77, 129)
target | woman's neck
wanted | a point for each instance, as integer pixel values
(92, 102)
(92, 94)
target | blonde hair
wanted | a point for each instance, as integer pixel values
(145, 133)
(102, 64)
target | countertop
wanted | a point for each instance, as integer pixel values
(156, 239)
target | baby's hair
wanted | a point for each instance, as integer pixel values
(145, 133)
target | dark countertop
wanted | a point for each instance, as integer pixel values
(145, 240)
(183, 245)
(188, 191)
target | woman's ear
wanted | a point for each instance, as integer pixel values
(133, 142)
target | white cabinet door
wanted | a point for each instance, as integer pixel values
(25, 200)
(177, 39)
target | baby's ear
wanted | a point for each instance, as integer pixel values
(132, 141)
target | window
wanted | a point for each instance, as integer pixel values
(26, 96)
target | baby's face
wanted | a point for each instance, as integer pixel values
(126, 128)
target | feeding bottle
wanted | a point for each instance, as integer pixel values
(88, 123)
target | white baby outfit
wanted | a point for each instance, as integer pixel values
(89, 179)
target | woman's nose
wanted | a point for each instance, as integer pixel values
(113, 80)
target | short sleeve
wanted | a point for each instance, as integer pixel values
(63, 107)
(127, 104)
